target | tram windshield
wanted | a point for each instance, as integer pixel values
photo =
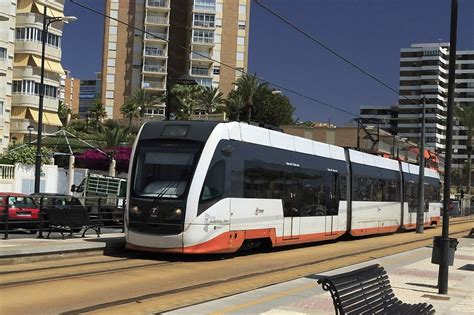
(164, 170)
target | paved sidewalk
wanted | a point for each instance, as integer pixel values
(14, 251)
(412, 275)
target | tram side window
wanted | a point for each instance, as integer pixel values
(214, 183)
(321, 193)
(411, 196)
(263, 180)
(376, 189)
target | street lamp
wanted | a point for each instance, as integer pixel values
(47, 21)
(30, 129)
(185, 79)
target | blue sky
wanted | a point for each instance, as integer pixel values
(368, 32)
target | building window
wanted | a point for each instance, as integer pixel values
(217, 38)
(109, 94)
(110, 78)
(200, 36)
(242, 9)
(240, 56)
(112, 30)
(200, 71)
(219, 7)
(240, 40)
(113, 46)
(30, 87)
(3, 53)
(1, 108)
(35, 34)
(204, 20)
(218, 22)
(205, 5)
(111, 62)
(217, 70)
(242, 25)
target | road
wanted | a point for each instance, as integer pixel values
(146, 283)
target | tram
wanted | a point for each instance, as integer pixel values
(200, 187)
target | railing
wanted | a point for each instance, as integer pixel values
(156, 19)
(205, 72)
(204, 24)
(201, 56)
(153, 85)
(157, 3)
(203, 7)
(150, 51)
(154, 68)
(156, 36)
(7, 171)
(204, 40)
(101, 214)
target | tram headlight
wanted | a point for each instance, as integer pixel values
(178, 212)
(135, 211)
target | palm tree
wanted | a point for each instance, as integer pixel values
(248, 86)
(64, 112)
(235, 103)
(466, 116)
(211, 98)
(111, 135)
(143, 100)
(189, 99)
(130, 110)
(97, 110)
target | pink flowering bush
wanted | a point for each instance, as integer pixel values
(96, 160)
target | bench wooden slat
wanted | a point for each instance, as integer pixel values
(368, 291)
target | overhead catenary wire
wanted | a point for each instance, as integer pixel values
(329, 49)
(279, 86)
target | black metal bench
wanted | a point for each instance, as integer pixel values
(68, 220)
(367, 291)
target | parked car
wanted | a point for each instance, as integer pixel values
(23, 212)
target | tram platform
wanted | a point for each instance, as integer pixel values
(26, 250)
(412, 275)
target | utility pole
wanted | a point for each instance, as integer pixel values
(445, 241)
(420, 221)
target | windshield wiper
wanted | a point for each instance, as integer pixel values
(175, 182)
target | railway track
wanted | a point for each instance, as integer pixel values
(174, 282)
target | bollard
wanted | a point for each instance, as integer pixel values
(99, 212)
(41, 217)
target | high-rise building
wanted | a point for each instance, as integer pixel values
(69, 93)
(180, 34)
(25, 84)
(383, 116)
(89, 93)
(7, 46)
(424, 70)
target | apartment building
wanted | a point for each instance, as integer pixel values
(89, 93)
(424, 70)
(182, 36)
(69, 92)
(385, 117)
(7, 46)
(26, 78)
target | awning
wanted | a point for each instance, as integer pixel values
(18, 112)
(30, 6)
(49, 118)
(51, 12)
(20, 60)
(49, 65)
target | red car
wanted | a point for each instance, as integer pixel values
(22, 211)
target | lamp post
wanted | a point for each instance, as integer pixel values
(46, 23)
(30, 129)
(421, 175)
(185, 79)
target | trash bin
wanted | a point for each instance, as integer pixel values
(437, 245)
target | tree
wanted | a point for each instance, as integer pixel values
(143, 100)
(466, 116)
(248, 86)
(272, 108)
(111, 135)
(235, 104)
(188, 97)
(97, 110)
(211, 98)
(26, 154)
(130, 110)
(64, 112)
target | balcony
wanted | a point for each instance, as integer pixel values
(205, 24)
(157, 20)
(153, 85)
(205, 7)
(154, 52)
(20, 126)
(152, 36)
(160, 69)
(206, 72)
(158, 4)
(203, 40)
(35, 47)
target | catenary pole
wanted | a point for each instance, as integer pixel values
(445, 242)
(421, 175)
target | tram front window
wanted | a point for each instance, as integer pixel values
(164, 170)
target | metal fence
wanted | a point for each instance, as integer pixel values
(43, 215)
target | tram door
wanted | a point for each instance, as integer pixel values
(291, 204)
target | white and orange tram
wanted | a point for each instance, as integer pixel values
(214, 187)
